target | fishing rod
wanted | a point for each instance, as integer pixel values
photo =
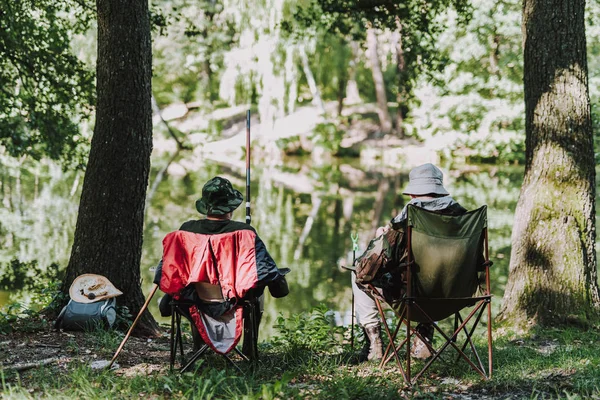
(248, 218)
(354, 237)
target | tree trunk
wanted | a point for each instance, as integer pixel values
(310, 78)
(385, 121)
(401, 96)
(108, 234)
(352, 94)
(341, 90)
(553, 277)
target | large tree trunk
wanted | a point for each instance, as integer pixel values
(553, 276)
(108, 234)
(385, 121)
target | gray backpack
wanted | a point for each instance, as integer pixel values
(77, 316)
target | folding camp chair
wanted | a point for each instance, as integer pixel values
(216, 282)
(446, 254)
(217, 334)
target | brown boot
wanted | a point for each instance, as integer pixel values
(363, 355)
(373, 333)
(420, 349)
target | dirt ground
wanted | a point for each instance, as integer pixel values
(20, 351)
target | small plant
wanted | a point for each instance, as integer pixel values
(8, 318)
(15, 316)
(314, 331)
(124, 317)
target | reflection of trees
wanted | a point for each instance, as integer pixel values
(37, 218)
(499, 189)
(41, 228)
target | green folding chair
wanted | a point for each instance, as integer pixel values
(443, 277)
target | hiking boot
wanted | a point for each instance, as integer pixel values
(373, 337)
(418, 348)
(373, 346)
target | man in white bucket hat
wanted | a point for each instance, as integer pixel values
(426, 190)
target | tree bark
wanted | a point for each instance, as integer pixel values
(553, 276)
(108, 234)
(385, 121)
(401, 96)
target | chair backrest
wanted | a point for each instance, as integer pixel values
(208, 292)
(447, 251)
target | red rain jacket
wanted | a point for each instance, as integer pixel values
(192, 257)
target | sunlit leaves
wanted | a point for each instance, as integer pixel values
(44, 89)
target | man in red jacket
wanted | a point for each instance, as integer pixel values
(219, 200)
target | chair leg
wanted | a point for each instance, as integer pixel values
(250, 345)
(230, 362)
(386, 355)
(244, 357)
(390, 336)
(172, 340)
(408, 343)
(469, 335)
(179, 338)
(489, 333)
(194, 358)
(450, 342)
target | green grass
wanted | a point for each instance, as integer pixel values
(306, 363)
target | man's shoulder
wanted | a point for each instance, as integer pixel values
(240, 226)
(454, 209)
(207, 227)
(191, 226)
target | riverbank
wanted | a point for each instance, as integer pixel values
(38, 362)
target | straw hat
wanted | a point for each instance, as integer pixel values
(425, 179)
(89, 288)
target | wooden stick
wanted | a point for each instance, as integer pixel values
(154, 288)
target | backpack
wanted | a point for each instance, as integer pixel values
(77, 316)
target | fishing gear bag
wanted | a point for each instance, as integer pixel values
(77, 316)
(379, 256)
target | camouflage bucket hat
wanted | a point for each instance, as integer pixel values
(218, 197)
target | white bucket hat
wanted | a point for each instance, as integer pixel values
(425, 179)
(88, 288)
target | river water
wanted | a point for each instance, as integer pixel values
(304, 212)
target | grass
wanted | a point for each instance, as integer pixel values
(307, 363)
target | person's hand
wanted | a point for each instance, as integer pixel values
(381, 230)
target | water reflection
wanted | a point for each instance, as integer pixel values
(305, 214)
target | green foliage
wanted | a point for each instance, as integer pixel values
(548, 364)
(313, 331)
(473, 109)
(188, 56)
(45, 90)
(15, 316)
(419, 22)
(328, 136)
(27, 275)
